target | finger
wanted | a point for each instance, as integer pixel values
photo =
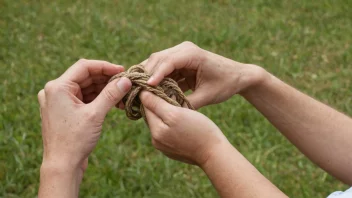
(177, 60)
(88, 90)
(41, 98)
(86, 83)
(111, 95)
(197, 99)
(97, 88)
(154, 59)
(85, 164)
(89, 97)
(183, 85)
(153, 121)
(159, 72)
(100, 79)
(121, 105)
(82, 69)
(175, 75)
(151, 63)
(155, 104)
(144, 62)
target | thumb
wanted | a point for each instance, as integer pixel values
(155, 104)
(111, 95)
(198, 98)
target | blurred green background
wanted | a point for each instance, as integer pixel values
(305, 43)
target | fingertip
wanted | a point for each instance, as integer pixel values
(152, 119)
(118, 68)
(151, 81)
(121, 68)
(124, 84)
(144, 95)
(121, 106)
(154, 80)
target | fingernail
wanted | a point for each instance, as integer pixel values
(124, 84)
(122, 68)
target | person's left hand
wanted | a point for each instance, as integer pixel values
(181, 134)
(73, 108)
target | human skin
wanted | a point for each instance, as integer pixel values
(73, 108)
(317, 130)
(175, 134)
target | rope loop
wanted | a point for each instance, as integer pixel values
(167, 89)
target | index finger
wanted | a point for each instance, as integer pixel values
(155, 104)
(165, 62)
(83, 69)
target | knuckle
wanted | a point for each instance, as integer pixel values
(153, 56)
(173, 117)
(91, 115)
(51, 87)
(41, 94)
(159, 132)
(169, 60)
(148, 100)
(188, 44)
(81, 61)
(192, 48)
(105, 63)
(110, 95)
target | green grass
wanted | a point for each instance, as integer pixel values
(305, 43)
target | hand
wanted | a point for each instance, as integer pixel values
(212, 78)
(73, 108)
(181, 134)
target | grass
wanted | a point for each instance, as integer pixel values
(305, 43)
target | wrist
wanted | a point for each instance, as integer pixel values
(60, 159)
(251, 77)
(217, 151)
(49, 165)
(53, 169)
(59, 180)
(61, 168)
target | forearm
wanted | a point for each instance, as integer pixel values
(59, 181)
(320, 132)
(233, 176)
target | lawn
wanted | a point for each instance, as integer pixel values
(305, 43)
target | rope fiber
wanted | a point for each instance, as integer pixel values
(167, 89)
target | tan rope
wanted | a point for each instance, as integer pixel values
(167, 90)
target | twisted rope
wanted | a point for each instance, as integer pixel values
(167, 90)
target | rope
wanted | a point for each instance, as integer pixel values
(167, 90)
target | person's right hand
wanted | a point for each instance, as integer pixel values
(212, 78)
(181, 134)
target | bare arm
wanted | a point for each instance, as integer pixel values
(204, 144)
(234, 176)
(59, 181)
(320, 132)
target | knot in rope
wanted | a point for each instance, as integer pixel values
(167, 90)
